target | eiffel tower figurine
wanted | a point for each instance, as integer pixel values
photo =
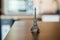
(35, 28)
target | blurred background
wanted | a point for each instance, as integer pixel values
(18, 7)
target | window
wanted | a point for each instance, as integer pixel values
(22, 7)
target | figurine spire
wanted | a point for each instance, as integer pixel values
(35, 26)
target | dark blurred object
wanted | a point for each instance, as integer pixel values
(0, 12)
(7, 22)
(58, 11)
(39, 19)
(0, 3)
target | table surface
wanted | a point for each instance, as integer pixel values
(21, 31)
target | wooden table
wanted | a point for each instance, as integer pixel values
(21, 30)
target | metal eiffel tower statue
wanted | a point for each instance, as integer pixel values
(35, 28)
